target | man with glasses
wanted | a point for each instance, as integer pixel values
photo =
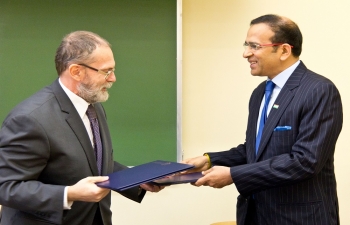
(284, 171)
(50, 155)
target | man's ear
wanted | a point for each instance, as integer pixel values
(286, 51)
(76, 72)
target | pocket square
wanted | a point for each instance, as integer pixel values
(282, 128)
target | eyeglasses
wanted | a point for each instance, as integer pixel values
(255, 46)
(106, 74)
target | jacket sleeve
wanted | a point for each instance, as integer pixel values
(136, 194)
(24, 153)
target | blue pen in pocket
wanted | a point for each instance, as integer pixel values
(282, 128)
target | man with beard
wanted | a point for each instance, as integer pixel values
(50, 154)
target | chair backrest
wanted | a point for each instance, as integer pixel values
(224, 223)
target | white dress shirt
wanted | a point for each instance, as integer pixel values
(279, 81)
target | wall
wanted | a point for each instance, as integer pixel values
(216, 88)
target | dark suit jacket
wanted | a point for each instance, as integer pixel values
(44, 147)
(292, 176)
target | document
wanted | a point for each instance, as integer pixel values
(179, 179)
(144, 173)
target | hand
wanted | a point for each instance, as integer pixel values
(216, 177)
(151, 187)
(87, 191)
(200, 163)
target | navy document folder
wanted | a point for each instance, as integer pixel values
(179, 179)
(144, 173)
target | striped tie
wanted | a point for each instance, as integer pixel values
(268, 91)
(91, 114)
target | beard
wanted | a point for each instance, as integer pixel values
(92, 92)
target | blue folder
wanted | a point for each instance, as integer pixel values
(179, 179)
(144, 173)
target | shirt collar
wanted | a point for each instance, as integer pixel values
(281, 79)
(80, 104)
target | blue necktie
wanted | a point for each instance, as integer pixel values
(268, 91)
(91, 114)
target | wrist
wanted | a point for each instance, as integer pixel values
(71, 194)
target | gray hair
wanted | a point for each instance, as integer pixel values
(77, 47)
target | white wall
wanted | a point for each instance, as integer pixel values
(216, 88)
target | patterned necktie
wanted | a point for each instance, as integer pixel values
(268, 91)
(91, 114)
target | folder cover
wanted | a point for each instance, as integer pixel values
(179, 179)
(144, 173)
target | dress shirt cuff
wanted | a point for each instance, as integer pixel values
(66, 204)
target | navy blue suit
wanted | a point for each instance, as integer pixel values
(292, 177)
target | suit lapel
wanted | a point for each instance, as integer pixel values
(283, 100)
(76, 124)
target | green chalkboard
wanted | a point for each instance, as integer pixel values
(141, 109)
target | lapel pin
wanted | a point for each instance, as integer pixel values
(275, 106)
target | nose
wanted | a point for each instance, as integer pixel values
(247, 52)
(112, 77)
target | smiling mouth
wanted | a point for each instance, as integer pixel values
(252, 64)
(105, 88)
